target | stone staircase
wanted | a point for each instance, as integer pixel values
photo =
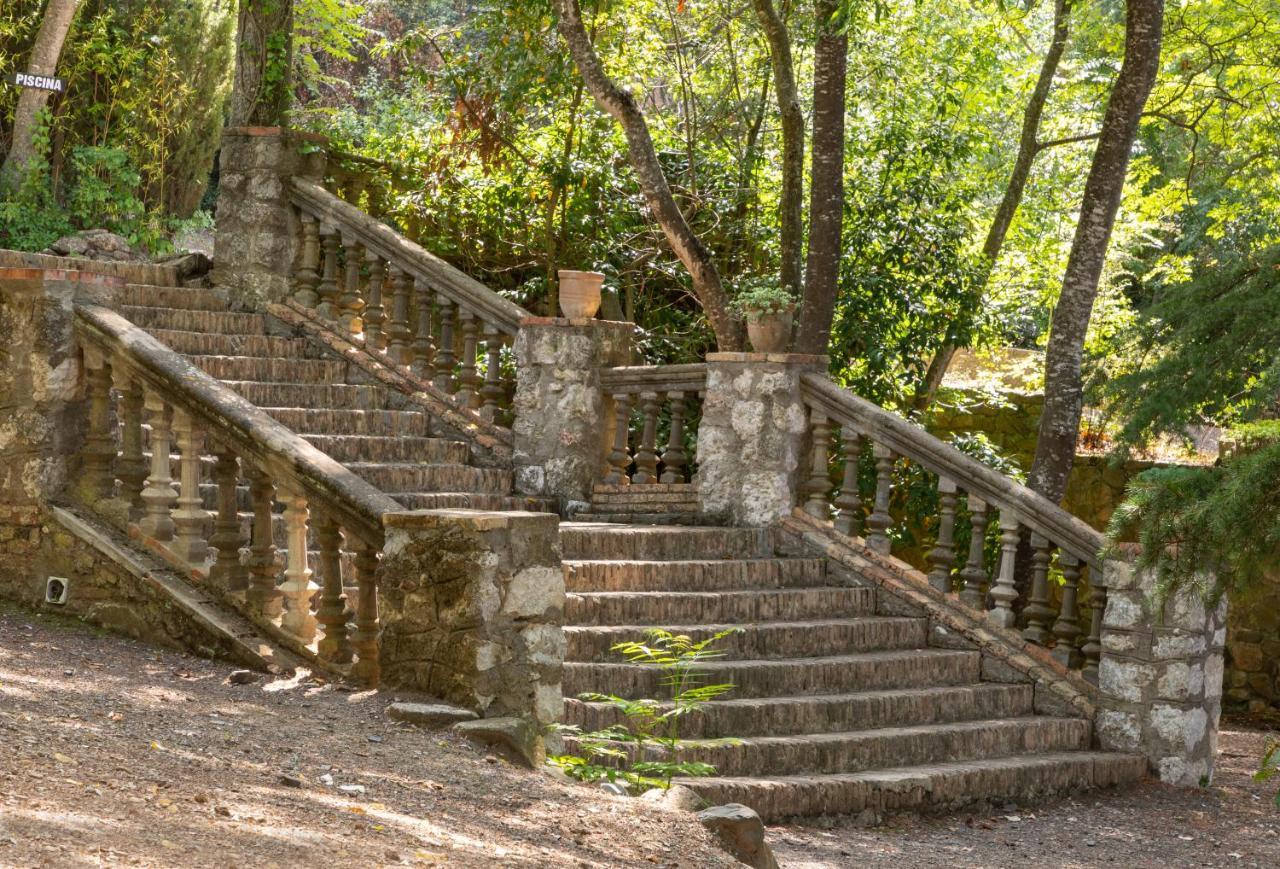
(840, 703)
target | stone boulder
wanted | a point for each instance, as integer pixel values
(97, 244)
(513, 738)
(432, 716)
(677, 798)
(741, 833)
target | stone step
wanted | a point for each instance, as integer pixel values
(471, 501)
(934, 787)
(312, 395)
(372, 448)
(272, 370)
(195, 321)
(757, 573)
(216, 344)
(407, 477)
(866, 671)
(348, 422)
(787, 715)
(588, 541)
(715, 608)
(856, 751)
(684, 519)
(178, 298)
(768, 640)
(641, 494)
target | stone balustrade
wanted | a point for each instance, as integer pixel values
(403, 304)
(655, 409)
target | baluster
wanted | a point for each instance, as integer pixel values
(446, 357)
(159, 495)
(1067, 627)
(99, 452)
(818, 483)
(368, 629)
(307, 278)
(190, 518)
(398, 334)
(264, 567)
(1037, 612)
(228, 537)
(974, 573)
(492, 392)
(468, 378)
(332, 612)
(674, 457)
(350, 303)
(131, 467)
(328, 286)
(1092, 649)
(620, 458)
(848, 501)
(942, 557)
(297, 588)
(880, 521)
(424, 348)
(646, 457)
(374, 314)
(1005, 590)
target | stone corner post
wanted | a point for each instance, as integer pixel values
(254, 243)
(1160, 676)
(563, 420)
(472, 606)
(751, 440)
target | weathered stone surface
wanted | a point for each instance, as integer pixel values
(1160, 678)
(677, 798)
(563, 420)
(516, 739)
(752, 433)
(433, 716)
(741, 833)
(471, 606)
(96, 244)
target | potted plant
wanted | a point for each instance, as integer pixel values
(768, 308)
(580, 293)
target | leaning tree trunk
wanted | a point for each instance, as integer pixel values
(1029, 146)
(1063, 398)
(791, 197)
(707, 285)
(826, 186)
(262, 91)
(44, 61)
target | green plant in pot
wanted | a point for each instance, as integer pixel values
(768, 308)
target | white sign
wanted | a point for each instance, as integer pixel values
(43, 82)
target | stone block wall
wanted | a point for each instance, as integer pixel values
(472, 605)
(1253, 649)
(1160, 678)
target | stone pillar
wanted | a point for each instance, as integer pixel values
(564, 422)
(257, 230)
(472, 604)
(1160, 677)
(752, 438)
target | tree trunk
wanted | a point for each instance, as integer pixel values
(44, 61)
(262, 92)
(1063, 398)
(707, 285)
(791, 199)
(1028, 148)
(826, 192)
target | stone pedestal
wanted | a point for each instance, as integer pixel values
(472, 604)
(1160, 677)
(563, 425)
(751, 440)
(256, 234)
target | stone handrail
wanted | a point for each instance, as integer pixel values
(1048, 618)
(691, 377)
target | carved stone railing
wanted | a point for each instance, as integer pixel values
(1064, 551)
(655, 407)
(134, 379)
(404, 304)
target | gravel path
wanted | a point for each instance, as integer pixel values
(117, 753)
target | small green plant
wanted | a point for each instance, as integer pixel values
(1270, 767)
(757, 296)
(646, 750)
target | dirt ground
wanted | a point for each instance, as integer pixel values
(117, 753)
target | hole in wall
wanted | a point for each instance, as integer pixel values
(56, 589)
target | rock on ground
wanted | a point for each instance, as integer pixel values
(741, 832)
(97, 244)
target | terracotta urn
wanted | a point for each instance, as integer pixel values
(580, 293)
(770, 331)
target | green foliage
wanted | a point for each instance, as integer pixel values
(30, 217)
(761, 295)
(645, 751)
(1270, 766)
